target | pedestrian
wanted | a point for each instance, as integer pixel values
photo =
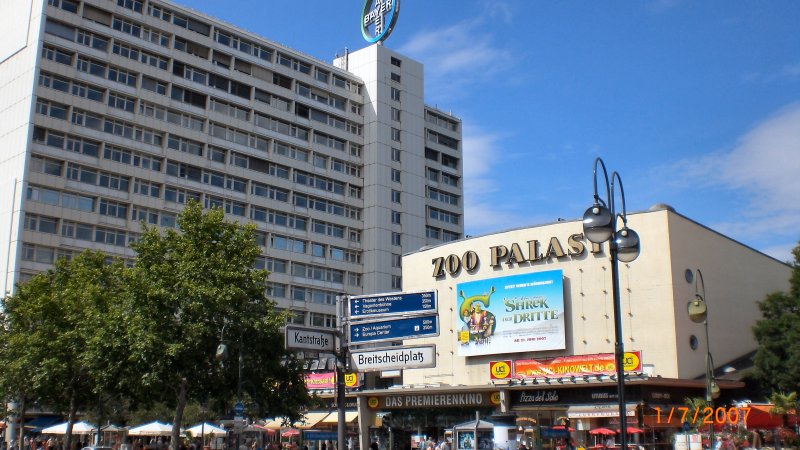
(374, 445)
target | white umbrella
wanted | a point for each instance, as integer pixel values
(207, 429)
(151, 429)
(77, 428)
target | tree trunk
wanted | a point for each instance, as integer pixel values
(21, 437)
(176, 421)
(70, 420)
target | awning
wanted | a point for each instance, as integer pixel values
(38, 423)
(761, 416)
(274, 424)
(605, 410)
(349, 416)
(311, 418)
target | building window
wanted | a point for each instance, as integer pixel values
(395, 114)
(396, 62)
(395, 135)
(396, 175)
(396, 238)
(396, 94)
(397, 282)
(396, 217)
(396, 77)
(396, 154)
(395, 196)
(396, 260)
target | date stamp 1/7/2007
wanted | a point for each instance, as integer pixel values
(708, 415)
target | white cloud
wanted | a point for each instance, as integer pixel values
(763, 171)
(452, 54)
(483, 154)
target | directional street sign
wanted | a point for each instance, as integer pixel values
(238, 408)
(300, 338)
(394, 329)
(369, 306)
(390, 358)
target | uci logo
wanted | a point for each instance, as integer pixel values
(372, 402)
(380, 15)
(630, 361)
(351, 379)
(500, 369)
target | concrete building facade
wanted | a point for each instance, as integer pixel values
(526, 330)
(117, 112)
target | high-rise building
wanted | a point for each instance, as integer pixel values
(116, 112)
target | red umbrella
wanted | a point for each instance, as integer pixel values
(602, 431)
(290, 433)
(633, 430)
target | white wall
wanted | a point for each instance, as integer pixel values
(20, 21)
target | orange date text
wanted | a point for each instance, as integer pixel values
(706, 416)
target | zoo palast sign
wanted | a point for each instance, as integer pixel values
(517, 253)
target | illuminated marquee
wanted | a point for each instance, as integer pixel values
(380, 16)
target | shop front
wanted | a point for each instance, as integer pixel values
(417, 415)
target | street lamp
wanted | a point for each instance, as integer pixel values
(600, 225)
(698, 313)
(222, 355)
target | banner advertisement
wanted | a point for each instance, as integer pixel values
(327, 380)
(575, 365)
(518, 313)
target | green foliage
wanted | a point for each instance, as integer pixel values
(186, 286)
(144, 337)
(777, 360)
(53, 338)
(695, 415)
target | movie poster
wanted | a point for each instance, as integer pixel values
(519, 313)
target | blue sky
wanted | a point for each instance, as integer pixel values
(695, 104)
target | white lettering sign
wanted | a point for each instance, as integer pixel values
(309, 339)
(394, 358)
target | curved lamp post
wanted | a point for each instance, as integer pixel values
(221, 356)
(698, 313)
(600, 225)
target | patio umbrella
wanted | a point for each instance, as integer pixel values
(77, 428)
(290, 433)
(207, 429)
(151, 429)
(602, 431)
(634, 430)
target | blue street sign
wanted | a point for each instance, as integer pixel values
(554, 433)
(238, 408)
(367, 306)
(395, 329)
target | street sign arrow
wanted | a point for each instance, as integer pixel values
(394, 329)
(394, 303)
(300, 338)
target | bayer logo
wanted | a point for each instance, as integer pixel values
(378, 18)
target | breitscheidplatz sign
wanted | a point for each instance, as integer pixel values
(378, 19)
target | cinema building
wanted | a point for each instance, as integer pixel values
(117, 112)
(526, 330)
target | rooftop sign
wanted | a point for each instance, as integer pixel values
(378, 19)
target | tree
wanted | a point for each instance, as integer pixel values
(777, 359)
(53, 335)
(185, 286)
(695, 415)
(783, 404)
